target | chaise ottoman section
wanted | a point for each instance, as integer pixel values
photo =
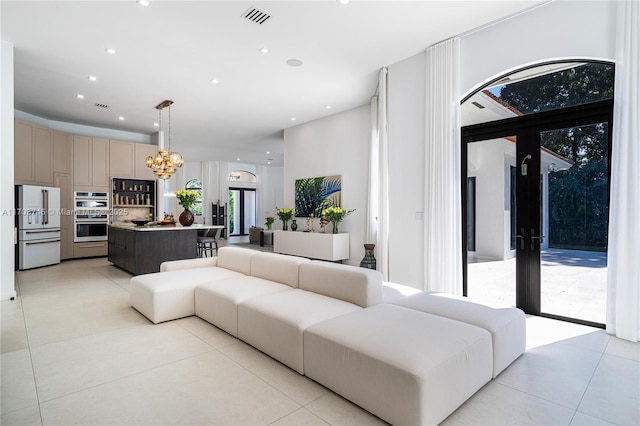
(274, 323)
(506, 324)
(165, 296)
(406, 367)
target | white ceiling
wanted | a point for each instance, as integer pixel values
(172, 50)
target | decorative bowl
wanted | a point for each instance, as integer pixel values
(140, 222)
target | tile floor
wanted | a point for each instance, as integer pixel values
(75, 352)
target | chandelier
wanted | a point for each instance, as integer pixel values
(165, 162)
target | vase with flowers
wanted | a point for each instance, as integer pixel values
(269, 222)
(336, 215)
(186, 198)
(285, 214)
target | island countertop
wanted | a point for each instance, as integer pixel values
(176, 227)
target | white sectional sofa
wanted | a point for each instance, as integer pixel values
(407, 359)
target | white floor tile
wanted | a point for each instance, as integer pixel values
(301, 417)
(624, 349)
(212, 335)
(13, 334)
(29, 416)
(338, 411)
(17, 388)
(496, 404)
(69, 366)
(555, 372)
(207, 389)
(614, 391)
(297, 387)
(581, 419)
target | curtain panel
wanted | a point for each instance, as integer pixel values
(442, 210)
(623, 269)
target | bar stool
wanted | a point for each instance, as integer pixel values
(207, 241)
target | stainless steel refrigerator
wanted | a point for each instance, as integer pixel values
(38, 213)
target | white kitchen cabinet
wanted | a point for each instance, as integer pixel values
(142, 151)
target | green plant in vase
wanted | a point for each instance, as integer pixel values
(285, 214)
(186, 198)
(269, 222)
(336, 215)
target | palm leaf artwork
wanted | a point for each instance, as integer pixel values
(316, 194)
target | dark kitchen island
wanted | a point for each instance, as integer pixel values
(141, 249)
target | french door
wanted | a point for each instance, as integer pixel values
(535, 209)
(242, 210)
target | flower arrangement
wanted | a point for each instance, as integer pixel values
(269, 221)
(336, 215)
(187, 198)
(285, 214)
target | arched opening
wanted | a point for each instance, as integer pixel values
(536, 189)
(242, 202)
(196, 185)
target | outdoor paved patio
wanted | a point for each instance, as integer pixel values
(574, 283)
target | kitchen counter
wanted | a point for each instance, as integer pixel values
(141, 249)
(176, 227)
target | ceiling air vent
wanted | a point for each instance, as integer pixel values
(477, 104)
(255, 15)
(102, 105)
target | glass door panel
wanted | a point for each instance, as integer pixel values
(491, 221)
(574, 214)
(249, 210)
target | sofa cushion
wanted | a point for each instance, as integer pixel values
(274, 323)
(217, 302)
(199, 262)
(236, 259)
(164, 296)
(405, 366)
(506, 324)
(277, 267)
(360, 286)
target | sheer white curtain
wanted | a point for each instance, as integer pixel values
(442, 210)
(623, 274)
(378, 206)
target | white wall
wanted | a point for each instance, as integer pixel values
(7, 203)
(335, 145)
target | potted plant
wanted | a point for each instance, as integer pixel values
(285, 214)
(269, 222)
(186, 198)
(336, 215)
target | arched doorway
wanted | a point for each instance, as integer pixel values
(242, 202)
(536, 174)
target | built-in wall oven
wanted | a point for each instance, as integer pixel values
(91, 216)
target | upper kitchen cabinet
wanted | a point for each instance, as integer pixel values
(62, 152)
(90, 163)
(33, 154)
(142, 151)
(121, 159)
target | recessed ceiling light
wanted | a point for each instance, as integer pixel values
(268, 162)
(294, 62)
(214, 81)
(328, 107)
(143, 2)
(92, 78)
(343, 1)
(110, 51)
(268, 152)
(293, 119)
(264, 50)
(79, 96)
(155, 124)
(121, 118)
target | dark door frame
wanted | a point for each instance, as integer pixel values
(240, 203)
(527, 130)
